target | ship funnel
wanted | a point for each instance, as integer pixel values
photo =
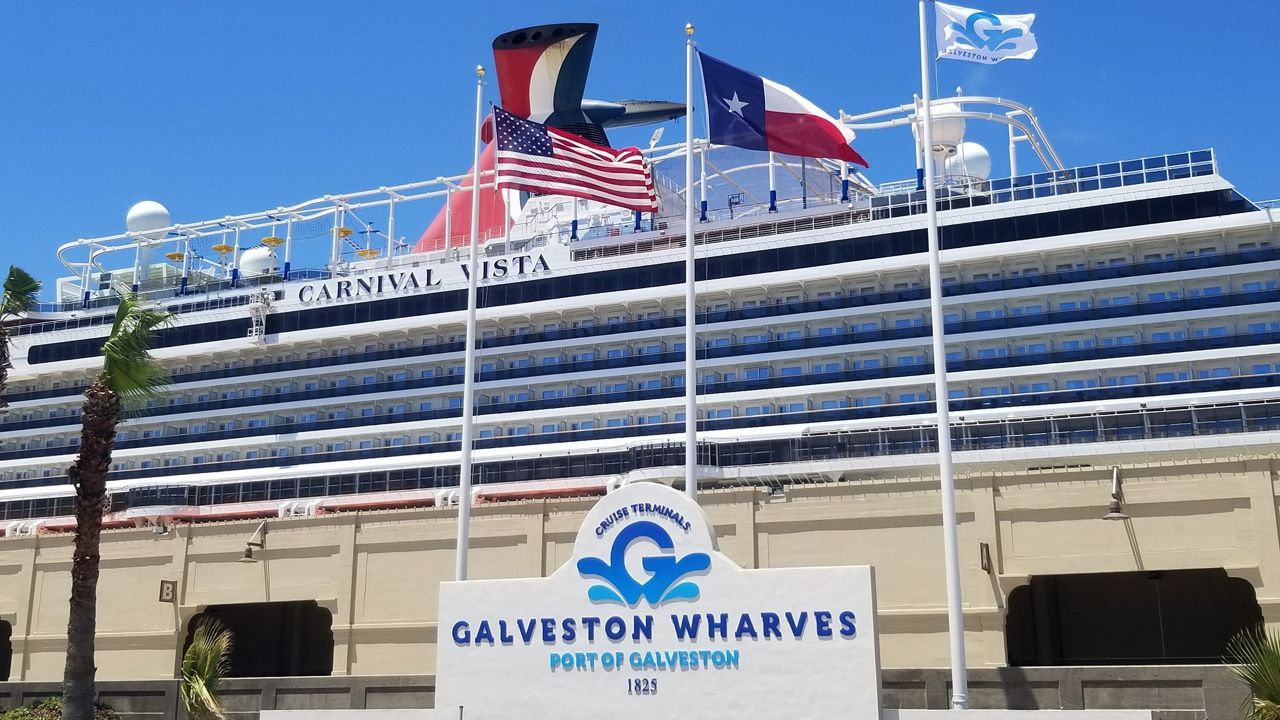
(542, 74)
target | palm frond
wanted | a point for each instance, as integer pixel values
(1257, 652)
(204, 665)
(20, 291)
(131, 372)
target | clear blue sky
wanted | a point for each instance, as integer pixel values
(217, 108)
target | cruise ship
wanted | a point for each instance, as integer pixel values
(1129, 301)
(1106, 320)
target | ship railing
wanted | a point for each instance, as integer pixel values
(170, 433)
(910, 437)
(896, 200)
(782, 309)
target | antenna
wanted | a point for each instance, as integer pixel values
(655, 137)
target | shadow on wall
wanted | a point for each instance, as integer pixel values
(1170, 617)
(274, 639)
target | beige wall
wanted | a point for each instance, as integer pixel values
(378, 572)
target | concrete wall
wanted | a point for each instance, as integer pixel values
(1177, 693)
(378, 572)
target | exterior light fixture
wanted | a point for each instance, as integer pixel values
(1115, 509)
(261, 535)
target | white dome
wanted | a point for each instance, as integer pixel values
(948, 130)
(147, 218)
(259, 261)
(972, 160)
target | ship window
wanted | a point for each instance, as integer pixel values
(1218, 372)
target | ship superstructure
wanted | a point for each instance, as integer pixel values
(1119, 309)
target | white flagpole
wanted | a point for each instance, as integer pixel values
(773, 188)
(469, 357)
(955, 611)
(690, 291)
(702, 183)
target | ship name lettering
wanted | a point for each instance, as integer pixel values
(393, 282)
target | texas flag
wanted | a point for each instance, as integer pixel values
(748, 111)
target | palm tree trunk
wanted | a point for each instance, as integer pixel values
(89, 476)
(4, 365)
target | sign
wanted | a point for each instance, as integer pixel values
(649, 620)
(420, 279)
(168, 591)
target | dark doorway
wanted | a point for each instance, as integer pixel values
(1128, 618)
(278, 639)
(6, 649)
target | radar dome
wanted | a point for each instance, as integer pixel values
(948, 128)
(972, 160)
(259, 261)
(148, 218)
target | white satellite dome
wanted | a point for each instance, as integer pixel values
(148, 218)
(948, 128)
(972, 160)
(259, 261)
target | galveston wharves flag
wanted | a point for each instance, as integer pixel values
(982, 37)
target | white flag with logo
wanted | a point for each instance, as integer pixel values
(983, 37)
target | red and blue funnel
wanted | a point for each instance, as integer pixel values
(542, 75)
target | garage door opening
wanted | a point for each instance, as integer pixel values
(6, 649)
(277, 639)
(1173, 617)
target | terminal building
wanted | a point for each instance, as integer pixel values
(1113, 349)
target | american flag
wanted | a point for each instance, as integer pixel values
(550, 161)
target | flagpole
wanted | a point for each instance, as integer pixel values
(955, 613)
(690, 290)
(702, 183)
(773, 189)
(469, 357)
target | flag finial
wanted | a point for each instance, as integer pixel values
(688, 29)
(480, 71)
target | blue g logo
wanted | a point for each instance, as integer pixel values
(990, 38)
(662, 586)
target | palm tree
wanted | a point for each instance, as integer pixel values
(204, 665)
(1257, 651)
(20, 290)
(128, 376)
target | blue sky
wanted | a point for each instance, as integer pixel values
(230, 107)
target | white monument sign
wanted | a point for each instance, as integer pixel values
(649, 620)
